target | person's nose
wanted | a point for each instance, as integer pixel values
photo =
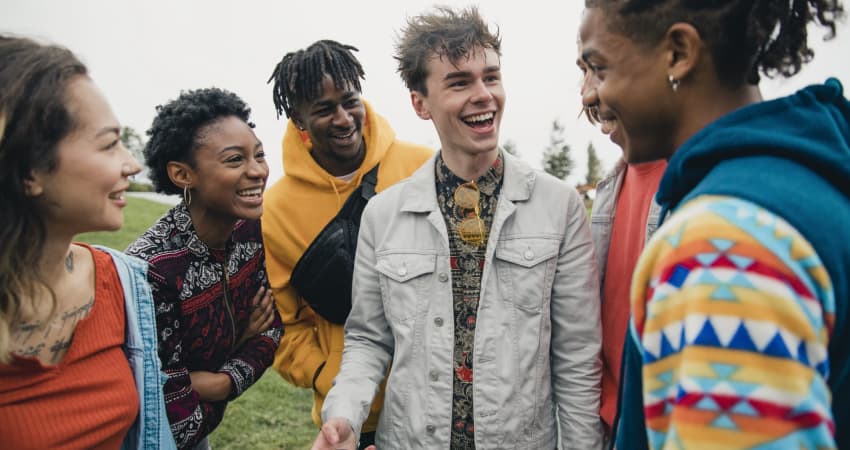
(342, 118)
(130, 166)
(481, 92)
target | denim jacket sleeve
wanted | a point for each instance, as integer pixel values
(151, 429)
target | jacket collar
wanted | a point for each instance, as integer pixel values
(420, 193)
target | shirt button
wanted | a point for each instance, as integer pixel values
(430, 429)
(402, 271)
(529, 255)
(438, 321)
(434, 375)
(443, 277)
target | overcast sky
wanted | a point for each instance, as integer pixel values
(144, 52)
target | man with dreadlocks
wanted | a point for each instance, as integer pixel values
(333, 138)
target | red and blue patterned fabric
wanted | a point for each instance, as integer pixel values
(203, 299)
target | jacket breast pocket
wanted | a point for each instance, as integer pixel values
(404, 282)
(526, 268)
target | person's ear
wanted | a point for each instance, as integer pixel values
(34, 183)
(181, 174)
(684, 49)
(420, 105)
(298, 121)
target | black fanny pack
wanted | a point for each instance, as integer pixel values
(323, 275)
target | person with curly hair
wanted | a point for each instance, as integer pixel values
(474, 277)
(333, 140)
(739, 335)
(78, 359)
(218, 327)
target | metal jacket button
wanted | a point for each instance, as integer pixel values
(529, 255)
(402, 271)
(443, 277)
(438, 321)
(430, 429)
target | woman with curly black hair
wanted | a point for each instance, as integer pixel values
(218, 327)
(739, 335)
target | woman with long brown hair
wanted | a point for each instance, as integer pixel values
(78, 362)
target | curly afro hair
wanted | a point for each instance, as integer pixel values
(178, 126)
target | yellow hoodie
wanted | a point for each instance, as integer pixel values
(295, 209)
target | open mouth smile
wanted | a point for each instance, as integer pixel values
(479, 120)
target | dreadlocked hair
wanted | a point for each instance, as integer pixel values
(746, 37)
(442, 33)
(298, 76)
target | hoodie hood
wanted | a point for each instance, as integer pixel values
(299, 164)
(809, 128)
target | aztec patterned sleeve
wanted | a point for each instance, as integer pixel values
(733, 311)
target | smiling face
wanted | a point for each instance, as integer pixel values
(334, 122)
(229, 172)
(625, 86)
(85, 191)
(465, 102)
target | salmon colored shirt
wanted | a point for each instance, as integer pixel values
(87, 400)
(628, 236)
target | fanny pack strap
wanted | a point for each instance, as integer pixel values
(354, 205)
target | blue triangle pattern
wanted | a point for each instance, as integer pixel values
(675, 238)
(723, 293)
(666, 348)
(741, 280)
(823, 367)
(723, 370)
(722, 244)
(743, 389)
(744, 408)
(777, 347)
(707, 404)
(680, 393)
(707, 277)
(723, 421)
(707, 336)
(707, 259)
(802, 353)
(741, 262)
(705, 384)
(665, 377)
(656, 438)
(742, 340)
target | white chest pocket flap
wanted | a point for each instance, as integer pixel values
(402, 267)
(527, 252)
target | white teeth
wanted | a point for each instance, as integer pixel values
(480, 117)
(116, 196)
(250, 192)
(344, 136)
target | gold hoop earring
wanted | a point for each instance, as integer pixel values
(674, 83)
(187, 195)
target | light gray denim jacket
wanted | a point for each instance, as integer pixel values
(537, 337)
(602, 216)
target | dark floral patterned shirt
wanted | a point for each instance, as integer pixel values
(203, 299)
(467, 263)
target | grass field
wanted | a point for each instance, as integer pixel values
(272, 414)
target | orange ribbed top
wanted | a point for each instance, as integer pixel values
(88, 399)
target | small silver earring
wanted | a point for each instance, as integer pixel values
(674, 83)
(187, 195)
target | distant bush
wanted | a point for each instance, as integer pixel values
(136, 186)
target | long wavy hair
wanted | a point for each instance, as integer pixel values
(34, 118)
